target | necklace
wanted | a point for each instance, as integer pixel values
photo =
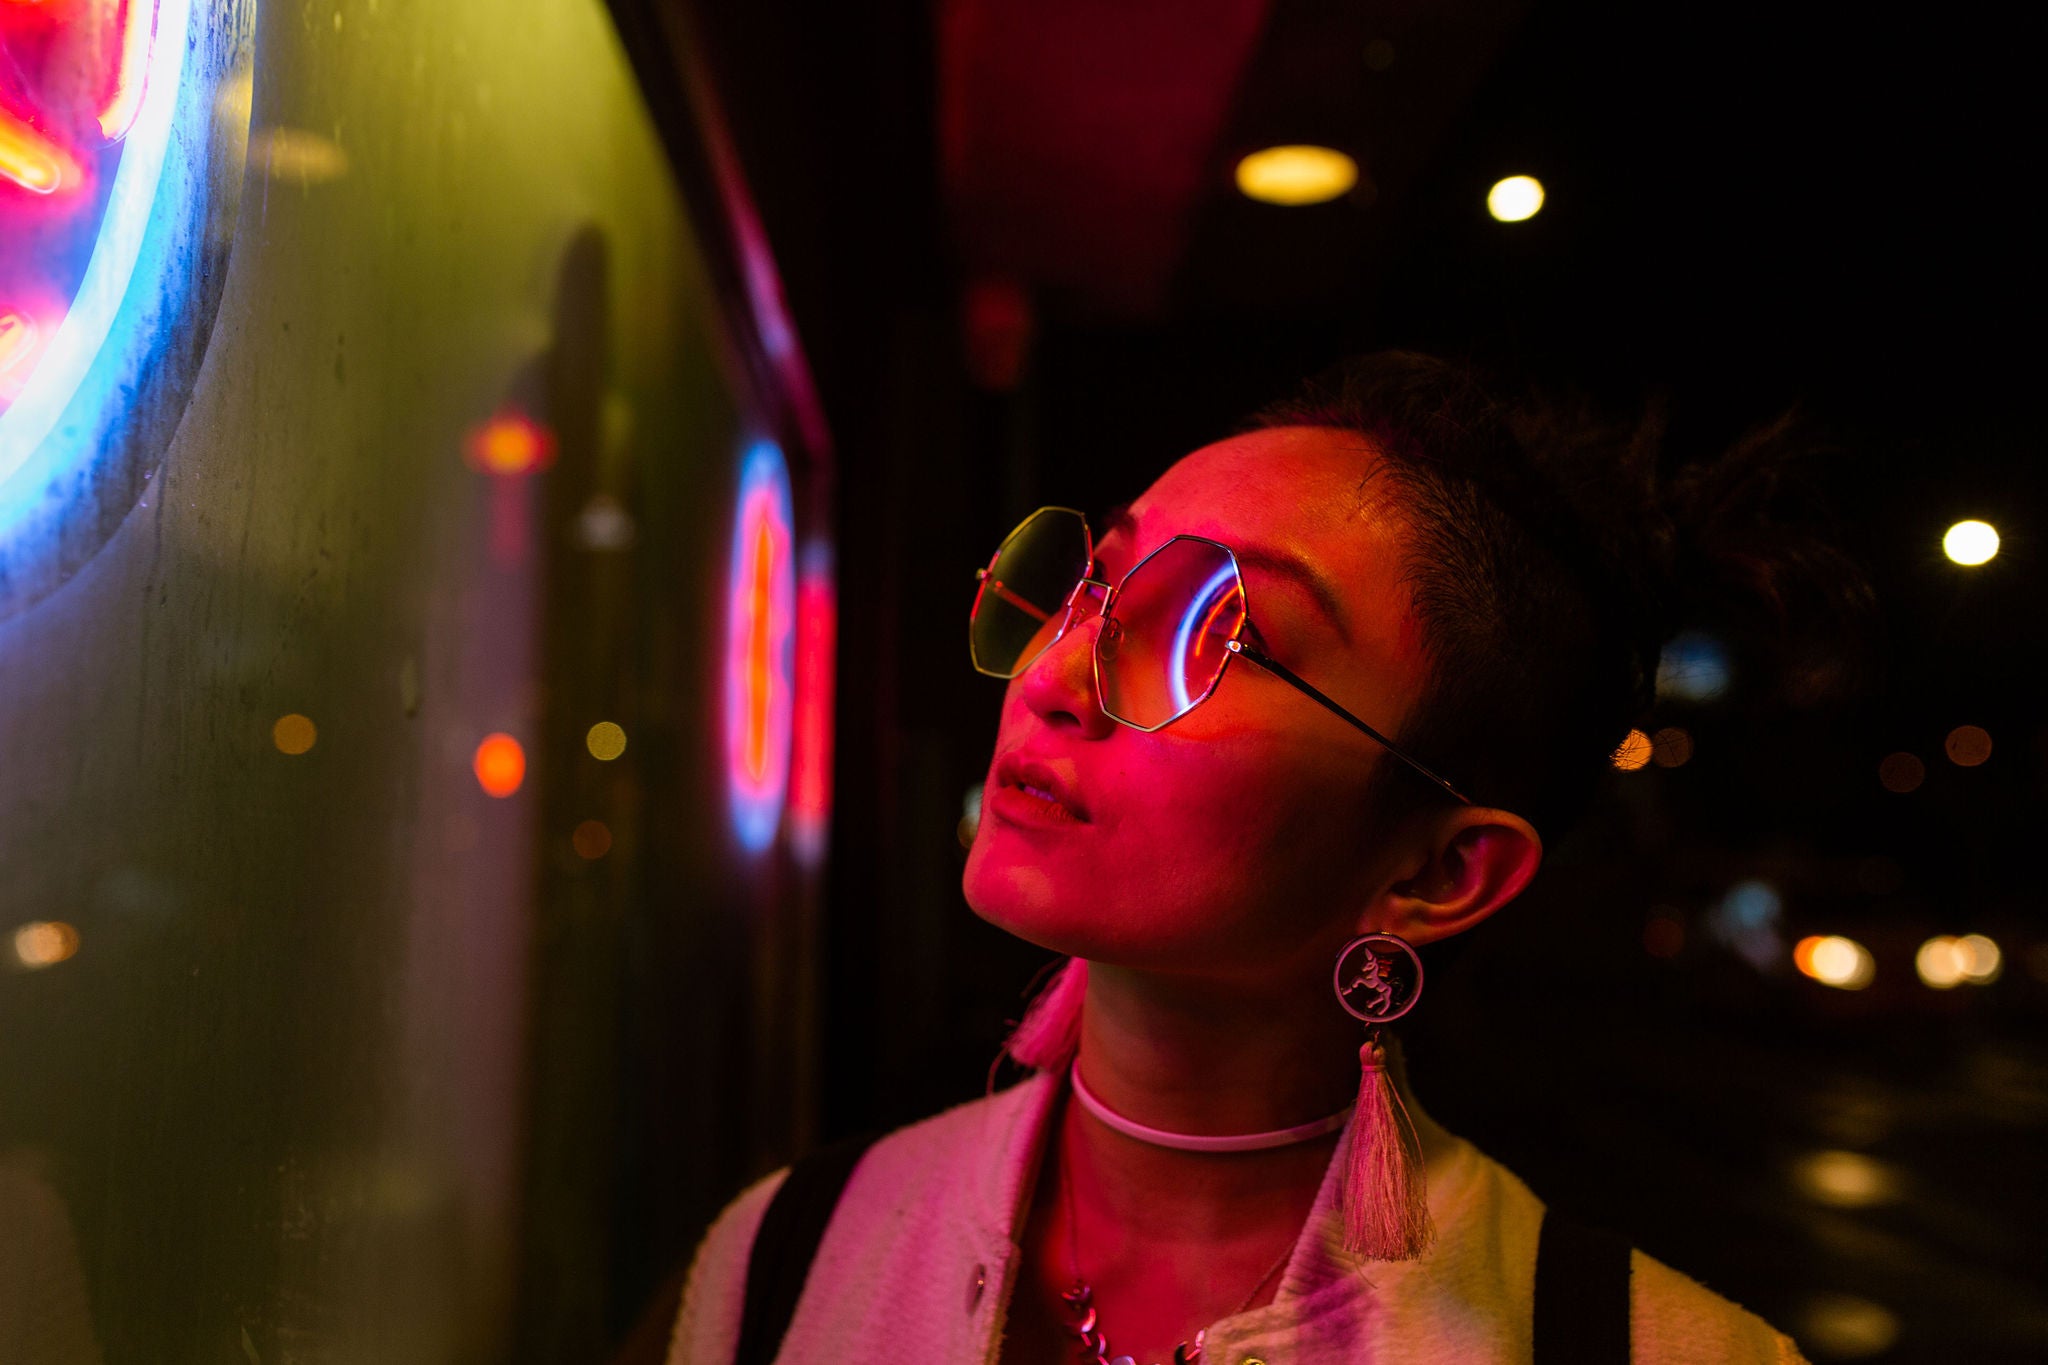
(1201, 1142)
(1080, 1301)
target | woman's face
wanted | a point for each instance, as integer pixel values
(1230, 842)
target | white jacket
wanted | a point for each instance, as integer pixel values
(922, 1255)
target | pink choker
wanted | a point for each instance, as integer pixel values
(1198, 1142)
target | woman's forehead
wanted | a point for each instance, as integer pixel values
(1300, 489)
(1295, 493)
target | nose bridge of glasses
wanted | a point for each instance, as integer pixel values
(1090, 597)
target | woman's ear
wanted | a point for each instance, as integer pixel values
(1477, 859)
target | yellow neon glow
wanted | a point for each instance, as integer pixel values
(31, 160)
(1835, 961)
(1296, 174)
(124, 101)
(1970, 543)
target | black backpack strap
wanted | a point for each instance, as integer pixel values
(1582, 1295)
(786, 1242)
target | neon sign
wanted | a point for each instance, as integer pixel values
(759, 648)
(120, 168)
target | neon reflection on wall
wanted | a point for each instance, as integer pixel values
(86, 109)
(810, 783)
(759, 648)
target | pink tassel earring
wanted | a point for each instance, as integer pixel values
(1386, 1191)
(1050, 1033)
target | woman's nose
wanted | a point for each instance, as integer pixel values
(1059, 686)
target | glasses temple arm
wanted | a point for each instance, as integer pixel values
(1307, 689)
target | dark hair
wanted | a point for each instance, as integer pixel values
(1552, 557)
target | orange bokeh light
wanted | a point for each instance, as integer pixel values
(1901, 772)
(1634, 752)
(500, 764)
(1968, 745)
(510, 444)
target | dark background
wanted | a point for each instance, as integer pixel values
(1009, 298)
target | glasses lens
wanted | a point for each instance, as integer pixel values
(1175, 618)
(1021, 606)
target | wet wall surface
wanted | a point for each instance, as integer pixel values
(289, 1094)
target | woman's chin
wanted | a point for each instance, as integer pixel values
(1020, 897)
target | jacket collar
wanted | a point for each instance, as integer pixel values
(1017, 1122)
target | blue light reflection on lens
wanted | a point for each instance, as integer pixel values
(1187, 638)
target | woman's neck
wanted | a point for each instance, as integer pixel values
(1204, 1061)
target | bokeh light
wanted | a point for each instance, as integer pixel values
(1634, 752)
(1945, 962)
(1845, 1180)
(1835, 961)
(500, 764)
(1663, 933)
(1845, 1327)
(592, 840)
(1515, 199)
(1967, 745)
(1901, 772)
(44, 943)
(1670, 747)
(1937, 963)
(1980, 958)
(293, 734)
(606, 741)
(510, 444)
(1970, 543)
(1297, 174)
(1693, 667)
(1747, 920)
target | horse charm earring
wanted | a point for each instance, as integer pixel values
(1378, 978)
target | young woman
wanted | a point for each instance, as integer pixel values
(1314, 699)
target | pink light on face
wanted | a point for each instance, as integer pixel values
(817, 627)
(760, 627)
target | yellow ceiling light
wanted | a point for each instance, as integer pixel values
(1515, 199)
(1970, 543)
(1296, 174)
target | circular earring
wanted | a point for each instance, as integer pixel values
(1378, 978)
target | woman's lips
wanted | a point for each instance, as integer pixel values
(1032, 792)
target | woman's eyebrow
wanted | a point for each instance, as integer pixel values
(1305, 575)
